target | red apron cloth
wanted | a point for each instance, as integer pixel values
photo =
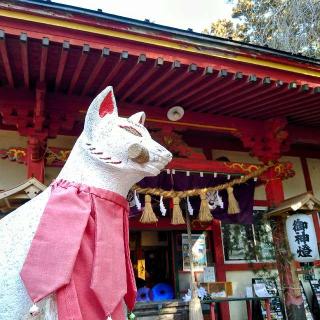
(80, 251)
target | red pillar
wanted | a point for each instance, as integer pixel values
(35, 158)
(286, 266)
(219, 265)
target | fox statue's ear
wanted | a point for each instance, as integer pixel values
(101, 108)
(139, 117)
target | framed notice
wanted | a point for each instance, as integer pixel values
(209, 275)
(198, 251)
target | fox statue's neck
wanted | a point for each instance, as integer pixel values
(82, 168)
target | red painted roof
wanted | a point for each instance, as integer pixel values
(80, 64)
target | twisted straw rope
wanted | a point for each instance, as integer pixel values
(197, 192)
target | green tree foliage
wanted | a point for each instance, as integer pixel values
(289, 25)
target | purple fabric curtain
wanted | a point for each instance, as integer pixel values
(179, 181)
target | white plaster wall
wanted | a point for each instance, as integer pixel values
(11, 139)
(11, 172)
(292, 186)
(295, 185)
(314, 171)
(244, 157)
(60, 141)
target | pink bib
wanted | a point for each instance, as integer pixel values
(81, 252)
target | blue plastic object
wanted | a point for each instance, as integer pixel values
(161, 291)
(143, 294)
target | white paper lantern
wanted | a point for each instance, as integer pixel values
(302, 238)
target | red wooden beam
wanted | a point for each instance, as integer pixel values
(116, 69)
(260, 85)
(24, 58)
(79, 67)
(305, 113)
(140, 63)
(308, 100)
(43, 60)
(96, 41)
(249, 266)
(284, 104)
(218, 100)
(276, 90)
(5, 59)
(286, 100)
(268, 88)
(165, 76)
(192, 83)
(97, 68)
(144, 79)
(39, 116)
(265, 104)
(208, 166)
(62, 63)
(222, 86)
(220, 76)
(172, 84)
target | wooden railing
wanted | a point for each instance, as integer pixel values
(248, 301)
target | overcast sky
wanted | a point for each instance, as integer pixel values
(184, 14)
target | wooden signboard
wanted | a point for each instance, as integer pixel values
(259, 310)
(315, 287)
(309, 315)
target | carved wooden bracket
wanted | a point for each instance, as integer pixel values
(268, 142)
(173, 141)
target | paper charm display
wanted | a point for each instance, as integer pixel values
(69, 245)
(302, 238)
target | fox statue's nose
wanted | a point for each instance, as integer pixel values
(138, 153)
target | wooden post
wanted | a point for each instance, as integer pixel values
(219, 265)
(286, 267)
(268, 310)
(249, 309)
(35, 158)
(212, 314)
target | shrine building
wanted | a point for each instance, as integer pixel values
(225, 109)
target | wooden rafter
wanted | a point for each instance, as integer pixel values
(44, 58)
(260, 84)
(5, 59)
(39, 107)
(222, 75)
(144, 78)
(270, 99)
(312, 111)
(62, 63)
(79, 67)
(276, 90)
(140, 62)
(196, 101)
(218, 99)
(124, 55)
(192, 83)
(268, 86)
(307, 99)
(24, 58)
(174, 67)
(191, 70)
(285, 96)
(97, 68)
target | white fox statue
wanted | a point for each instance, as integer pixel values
(64, 255)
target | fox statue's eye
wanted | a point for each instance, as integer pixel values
(131, 130)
